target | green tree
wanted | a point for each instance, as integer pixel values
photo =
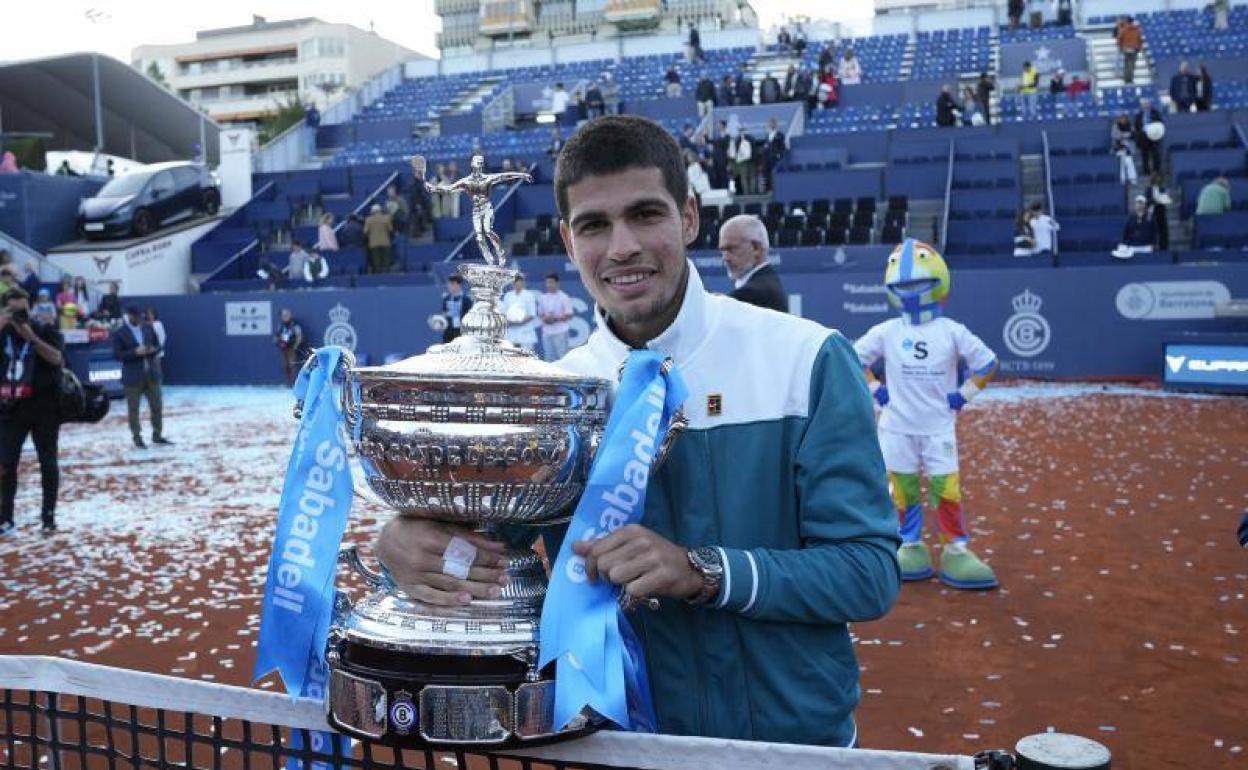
(288, 113)
(154, 72)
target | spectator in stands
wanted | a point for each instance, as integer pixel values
(1204, 90)
(744, 90)
(378, 229)
(783, 39)
(1014, 9)
(44, 310)
(326, 238)
(1130, 41)
(1150, 149)
(610, 94)
(741, 153)
(595, 106)
(1028, 88)
(455, 305)
(971, 116)
(704, 95)
(719, 157)
(64, 295)
(1183, 88)
(8, 278)
(311, 121)
(983, 95)
(1024, 236)
(946, 108)
(776, 147)
(769, 90)
(577, 110)
(110, 305)
(397, 209)
(1214, 198)
(30, 277)
(1057, 83)
(556, 144)
(315, 269)
(450, 204)
(850, 69)
(136, 347)
(744, 244)
(804, 89)
(519, 307)
(695, 53)
(1158, 200)
(82, 295)
(8, 163)
(1122, 144)
(695, 172)
(827, 57)
(671, 81)
(686, 137)
(31, 358)
(554, 307)
(559, 102)
(289, 342)
(1044, 230)
(790, 80)
(1139, 234)
(1077, 87)
(1065, 12)
(799, 40)
(828, 94)
(727, 92)
(298, 260)
(1221, 15)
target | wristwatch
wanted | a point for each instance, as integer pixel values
(707, 563)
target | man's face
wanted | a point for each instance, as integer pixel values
(1141, 207)
(133, 318)
(518, 285)
(552, 286)
(453, 287)
(627, 237)
(17, 303)
(739, 253)
(286, 316)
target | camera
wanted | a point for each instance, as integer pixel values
(19, 316)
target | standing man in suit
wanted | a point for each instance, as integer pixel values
(136, 347)
(774, 151)
(744, 244)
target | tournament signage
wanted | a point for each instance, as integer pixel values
(1047, 56)
(1211, 366)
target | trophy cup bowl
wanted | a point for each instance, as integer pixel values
(476, 432)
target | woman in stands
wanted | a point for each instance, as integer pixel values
(66, 295)
(850, 71)
(1158, 199)
(1024, 236)
(326, 238)
(82, 297)
(1122, 143)
(827, 95)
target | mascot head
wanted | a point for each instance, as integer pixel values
(917, 280)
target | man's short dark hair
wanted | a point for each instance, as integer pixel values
(552, 277)
(615, 143)
(455, 279)
(17, 292)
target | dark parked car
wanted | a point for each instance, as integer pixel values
(142, 201)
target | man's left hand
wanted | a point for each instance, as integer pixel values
(645, 564)
(956, 401)
(24, 331)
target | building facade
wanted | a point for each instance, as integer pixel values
(240, 74)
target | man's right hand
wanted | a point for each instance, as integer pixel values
(412, 550)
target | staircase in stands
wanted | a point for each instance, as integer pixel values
(1104, 62)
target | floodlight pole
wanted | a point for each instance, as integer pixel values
(99, 109)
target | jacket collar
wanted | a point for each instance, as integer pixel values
(681, 339)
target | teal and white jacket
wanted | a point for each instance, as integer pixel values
(781, 470)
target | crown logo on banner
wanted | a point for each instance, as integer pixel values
(1027, 302)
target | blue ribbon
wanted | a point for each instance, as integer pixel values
(600, 661)
(312, 516)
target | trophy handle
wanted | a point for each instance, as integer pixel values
(350, 555)
(677, 426)
(345, 365)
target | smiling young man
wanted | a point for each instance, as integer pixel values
(769, 527)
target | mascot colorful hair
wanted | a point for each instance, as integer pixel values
(922, 352)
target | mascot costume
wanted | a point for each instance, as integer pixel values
(919, 401)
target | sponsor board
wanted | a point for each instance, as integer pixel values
(245, 319)
(1222, 367)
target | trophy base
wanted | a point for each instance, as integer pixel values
(419, 701)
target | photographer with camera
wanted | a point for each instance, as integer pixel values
(30, 368)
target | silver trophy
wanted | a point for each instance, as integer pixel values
(478, 432)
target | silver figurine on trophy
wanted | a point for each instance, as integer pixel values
(480, 432)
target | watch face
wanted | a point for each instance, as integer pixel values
(708, 559)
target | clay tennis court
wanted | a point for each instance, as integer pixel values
(1109, 514)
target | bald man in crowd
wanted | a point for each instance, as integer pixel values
(744, 244)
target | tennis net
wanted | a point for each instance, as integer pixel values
(59, 714)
